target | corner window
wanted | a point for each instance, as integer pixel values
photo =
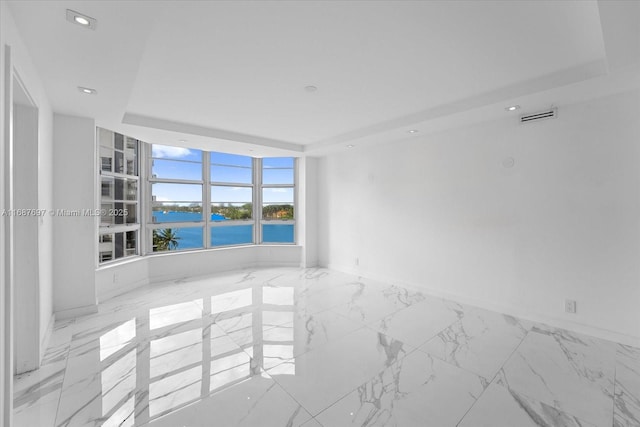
(119, 229)
(191, 199)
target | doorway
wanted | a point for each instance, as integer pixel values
(23, 229)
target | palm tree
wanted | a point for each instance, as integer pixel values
(165, 239)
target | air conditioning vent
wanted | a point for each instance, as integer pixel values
(542, 115)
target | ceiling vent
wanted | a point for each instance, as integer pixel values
(542, 115)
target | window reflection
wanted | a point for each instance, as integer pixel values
(275, 318)
(286, 368)
(276, 354)
(124, 416)
(171, 314)
(278, 296)
(175, 390)
(117, 338)
(228, 370)
(119, 383)
(240, 322)
(183, 352)
(231, 301)
(175, 351)
(279, 334)
(221, 344)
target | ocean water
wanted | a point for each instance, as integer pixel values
(191, 237)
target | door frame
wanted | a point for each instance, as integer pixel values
(10, 83)
(6, 295)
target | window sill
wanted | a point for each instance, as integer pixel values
(137, 258)
(223, 248)
(116, 263)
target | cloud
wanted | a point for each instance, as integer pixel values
(280, 190)
(165, 151)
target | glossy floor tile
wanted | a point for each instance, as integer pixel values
(320, 377)
(565, 371)
(503, 407)
(419, 322)
(417, 390)
(627, 387)
(313, 348)
(480, 342)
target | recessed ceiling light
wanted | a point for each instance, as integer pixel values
(81, 19)
(413, 131)
(87, 90)
(513, 108)
(350, 146)
(310, 88)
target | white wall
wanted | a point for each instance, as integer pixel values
(440, 212)
(20, 63)
(74, 188)
(307, 215)
(26, 289)
(45, 232)
(174, 266)
(115, 279)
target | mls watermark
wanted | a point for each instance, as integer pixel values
(63, 212)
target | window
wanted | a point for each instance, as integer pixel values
(231, 200)
(193, 199)
(205, 199)
(118, 234)
(176, 220)
(278, 194)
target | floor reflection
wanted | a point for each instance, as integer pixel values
(178, 354)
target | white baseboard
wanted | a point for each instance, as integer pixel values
(76, 312)
(267, 264)
(518, 312)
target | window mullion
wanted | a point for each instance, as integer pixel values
(257, 198)
(206, 197)
(143, 168)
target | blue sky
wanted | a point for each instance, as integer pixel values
(184, 163)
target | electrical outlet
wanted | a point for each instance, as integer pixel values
(570, 306)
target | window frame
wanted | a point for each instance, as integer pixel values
(261, 221)
(145, 151)
(150, 225)
(114, 228)
(238, 222)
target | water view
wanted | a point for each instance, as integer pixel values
(182, 238)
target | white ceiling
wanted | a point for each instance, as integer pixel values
(231, 75)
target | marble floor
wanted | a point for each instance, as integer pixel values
(293, 347)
